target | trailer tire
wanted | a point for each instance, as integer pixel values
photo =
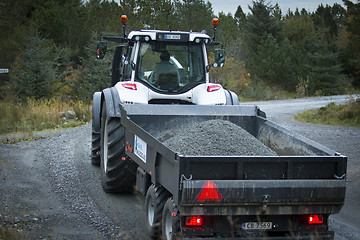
(155, 199)
(170, 221)
(95, 149)
(118, 174)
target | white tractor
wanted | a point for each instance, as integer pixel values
(150, 67)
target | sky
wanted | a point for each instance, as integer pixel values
(230, 6)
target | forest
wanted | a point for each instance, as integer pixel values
(49, 46)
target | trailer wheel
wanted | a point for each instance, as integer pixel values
(170, 221)
(154, 204)
(118, 173)
(95, 149)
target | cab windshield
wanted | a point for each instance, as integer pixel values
(169, 67)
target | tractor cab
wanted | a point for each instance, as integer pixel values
(165, 65)
(169, 62)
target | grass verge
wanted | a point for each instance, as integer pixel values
(342, 115)
(42, 115)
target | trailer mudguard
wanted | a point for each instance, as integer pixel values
(96, 112)
(112, 100)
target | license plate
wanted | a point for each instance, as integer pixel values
(256, 226)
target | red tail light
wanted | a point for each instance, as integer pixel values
(194, 221)
(209, 192)
(213, 88)
(315, 219)
(131, 86)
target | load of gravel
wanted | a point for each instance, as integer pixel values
(214, 138)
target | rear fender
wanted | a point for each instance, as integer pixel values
(112, 100)
(96, 112)
(231, 98)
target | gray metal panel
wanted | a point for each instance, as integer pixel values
(286, 142)
(190, 110)
(251, 197)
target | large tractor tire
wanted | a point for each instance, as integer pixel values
(154, 204)
(170, 221)
(118, 172)
(95, 149)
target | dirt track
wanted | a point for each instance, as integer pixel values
(49, 189)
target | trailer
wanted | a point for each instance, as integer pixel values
(289, 196)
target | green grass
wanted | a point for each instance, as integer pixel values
(342, 115)
(41, 115)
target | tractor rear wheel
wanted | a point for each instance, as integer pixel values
(118, 172)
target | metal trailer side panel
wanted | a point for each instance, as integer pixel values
(278, 138)
(160, 162)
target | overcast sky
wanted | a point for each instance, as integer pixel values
(231, 5)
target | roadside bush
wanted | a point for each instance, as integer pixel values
(345, 115)
(38, 115)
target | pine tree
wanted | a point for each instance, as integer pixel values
(322, 67)
(34, 73)
(260, 24)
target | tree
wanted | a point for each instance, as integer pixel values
(329, 18)
(260, 24)
(351, 55)
(298, 29)
(34, 73)
(194, 15)
(62, 21)
(322, 67)
(240, 17)
(274, 63)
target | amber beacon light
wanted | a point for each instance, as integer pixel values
(124, 19)
(215, 22)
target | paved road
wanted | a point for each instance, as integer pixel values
(49, 189)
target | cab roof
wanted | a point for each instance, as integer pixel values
(170, 36)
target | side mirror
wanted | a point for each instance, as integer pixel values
(219, 58)
(100, 49)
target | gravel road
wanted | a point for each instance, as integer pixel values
(50, 190)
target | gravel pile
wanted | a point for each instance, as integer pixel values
(214, 138)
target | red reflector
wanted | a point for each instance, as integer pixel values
(131, 86)
(209, 192)
(193, 221)
(213, 88)
(315, 219)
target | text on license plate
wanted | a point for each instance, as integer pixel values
(256, 225)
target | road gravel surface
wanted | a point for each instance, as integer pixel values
(50, 190)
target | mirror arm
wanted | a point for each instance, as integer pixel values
(114, 39)
(213, 38)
